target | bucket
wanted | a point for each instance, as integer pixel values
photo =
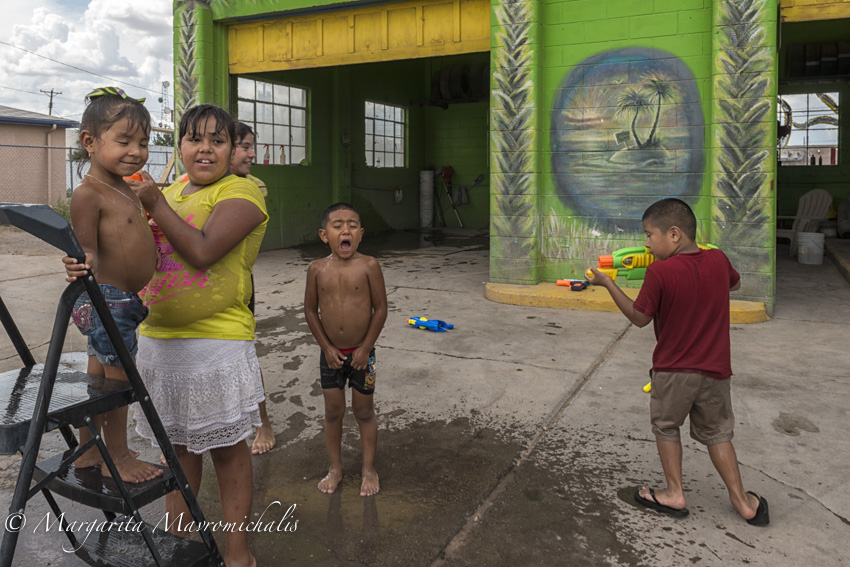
(810, 248)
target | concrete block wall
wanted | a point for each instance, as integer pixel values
(593, 50)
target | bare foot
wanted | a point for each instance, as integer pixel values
(370, 485)
(264, 441)
(90, 458)
(133, 470)
(331, 481)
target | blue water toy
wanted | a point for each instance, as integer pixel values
(429, 324)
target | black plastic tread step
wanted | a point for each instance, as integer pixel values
(120, 544)
(75, 395)
(89, 487)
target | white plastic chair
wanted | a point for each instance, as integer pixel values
(812, 209)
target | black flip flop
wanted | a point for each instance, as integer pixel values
(658, 506)
(762, 517)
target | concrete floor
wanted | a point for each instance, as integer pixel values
(518, 437)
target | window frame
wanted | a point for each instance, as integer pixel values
(805, 116)
(398, 138)
(274, 114)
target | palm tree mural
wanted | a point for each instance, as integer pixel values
(633, 101)
(185, 69)
(513, 217)
(662, 92)
(638, 100)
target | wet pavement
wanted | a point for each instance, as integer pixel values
(518, 437)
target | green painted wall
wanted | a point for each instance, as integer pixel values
(602, 107)
(456, 136)
(232, 9)
(575, 34)
(298, 195)
(396, 83)
(597, 108)
(794, 181)
(459, 136)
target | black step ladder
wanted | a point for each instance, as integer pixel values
(44, 397)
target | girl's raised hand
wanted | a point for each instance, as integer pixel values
(73, 270)
(146, 189)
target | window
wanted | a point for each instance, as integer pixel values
(808, 129)
(278, 116)
(384, 135)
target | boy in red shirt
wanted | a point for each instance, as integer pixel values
(686, 296)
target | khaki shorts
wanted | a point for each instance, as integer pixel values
(708, 402)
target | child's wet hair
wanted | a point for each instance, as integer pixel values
(197, 116)
(667, 213)
(243, 130)
(104, 109)
(337, 207)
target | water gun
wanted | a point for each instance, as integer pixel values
(630, 262)
(430, 325)
(136, 176)
(574, 285)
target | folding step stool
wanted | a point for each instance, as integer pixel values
(44, 397)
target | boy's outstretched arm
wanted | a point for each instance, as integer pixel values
(333, 356)
(378, 292)
(623, 301)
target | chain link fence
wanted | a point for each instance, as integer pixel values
(48, 174)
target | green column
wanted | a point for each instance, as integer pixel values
(514, 216)
(743, 142)
(194, 56)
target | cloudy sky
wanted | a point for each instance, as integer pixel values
(125, 41)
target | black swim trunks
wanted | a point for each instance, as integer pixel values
(361, 380)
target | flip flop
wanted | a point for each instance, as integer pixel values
(762, 517)
(658, 506)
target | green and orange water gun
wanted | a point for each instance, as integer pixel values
(630, 262)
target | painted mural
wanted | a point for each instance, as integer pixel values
(514, 223)
(185, 64)
(744, 91)
(627, 130)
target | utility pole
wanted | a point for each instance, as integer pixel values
(51, 94)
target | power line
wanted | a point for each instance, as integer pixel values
(78, 68)
(35, 93)
(77, 102)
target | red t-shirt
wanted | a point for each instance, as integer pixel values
(687, 296)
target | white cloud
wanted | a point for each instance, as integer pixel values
(126, 41)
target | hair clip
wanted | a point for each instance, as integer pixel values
(102, 91)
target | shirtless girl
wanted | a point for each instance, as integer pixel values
(112, 228)
(348, 289)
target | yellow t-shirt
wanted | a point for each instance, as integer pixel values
(186, 302)
(263, 189)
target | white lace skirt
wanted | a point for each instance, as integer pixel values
(206, 391)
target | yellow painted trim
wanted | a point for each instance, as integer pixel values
(811, 10)
(383, 32)
(597, 299)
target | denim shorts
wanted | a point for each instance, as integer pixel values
(127, 310)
